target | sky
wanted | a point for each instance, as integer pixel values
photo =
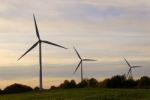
(105, 30)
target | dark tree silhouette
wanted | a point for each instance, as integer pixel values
(36, 89)
(117, 81)
(53, 87)
(66, 84)
(130, 83)
(73, 84)
(1, 91)
(144, 82)
(104, 83)
(17, 88)
(83, 84)
(93, 82)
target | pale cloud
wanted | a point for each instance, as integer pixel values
(67, 15)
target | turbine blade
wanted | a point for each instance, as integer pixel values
(54, 44)
(128, 72)
(29, 50)
(77, 53)
(89, 60)
(131, 73)
(136, 66)
(77, 67)
(36, 28)
(127, 62)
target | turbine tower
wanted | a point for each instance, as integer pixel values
(40, 41)
(129, 74)
(81, 63)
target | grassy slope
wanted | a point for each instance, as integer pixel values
(82, 94)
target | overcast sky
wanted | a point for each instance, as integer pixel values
(106, 30)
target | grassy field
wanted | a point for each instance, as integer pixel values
(82, 94)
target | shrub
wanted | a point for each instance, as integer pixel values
(53, 87)
(36, 89)
(1, 91)
(83, 84)
(93, 82)
(117, 81)
(65, 85)
(17, 88)
(130, 83)
(104, 83)
(73, 84)
(144, 82)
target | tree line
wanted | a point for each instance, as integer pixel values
(118, 81)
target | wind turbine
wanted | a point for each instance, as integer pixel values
(129, 74)
(40, 41)
(81, 63)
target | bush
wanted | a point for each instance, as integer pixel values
(73, 84)
(17, 88)
(53, 87)
(1, 91)
(36, 89)
(117, 81)
(130, 83)
(83, 84)
(93, 82)
(144, 82)
(104, 83)
(67, 84)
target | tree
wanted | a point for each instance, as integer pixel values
(53, 87)
(130, 83)
(73, 84)
(104, 83)
(93, 82)
(144, 82)
(36, 88)
(17, 88)
(83, 84)
(1, 91)
(65, 84)
(117, 81)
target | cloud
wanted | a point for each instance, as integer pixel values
(92, 16)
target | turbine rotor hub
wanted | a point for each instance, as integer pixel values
(40, 41)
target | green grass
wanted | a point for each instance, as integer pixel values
(82, 94)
